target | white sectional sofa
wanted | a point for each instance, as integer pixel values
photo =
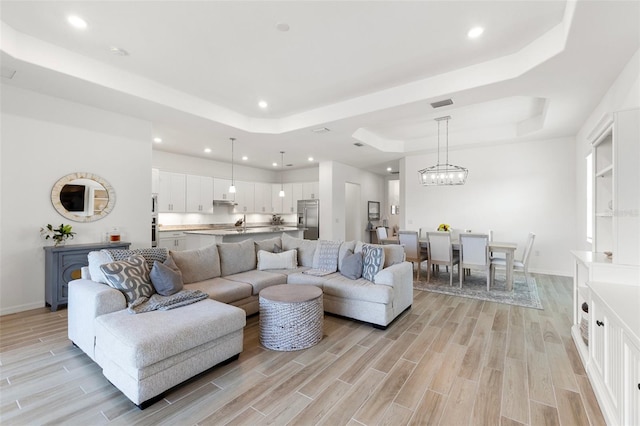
(146, 354)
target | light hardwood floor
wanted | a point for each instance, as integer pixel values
(447, 361)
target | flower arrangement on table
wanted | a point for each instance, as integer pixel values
(59, 234)
(444, 227)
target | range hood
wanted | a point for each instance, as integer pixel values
(224, 203)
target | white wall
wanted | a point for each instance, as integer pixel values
(333, 177)
(624, 93)
(513, 189)
(43, 139)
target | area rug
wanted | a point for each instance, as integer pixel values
(525, 292)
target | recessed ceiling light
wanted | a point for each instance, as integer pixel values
(389, 169)
(77, 22)
(245, 158)
(118, 51)
(282, 26)
(263, 104)
(207, 150)
(157, 140)
(475, 32)
(320, 130)
(310, 158)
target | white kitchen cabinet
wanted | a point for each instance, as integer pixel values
(287, 200)
(310, 190)
(221, 189)
(276, 200)
(244, 197)
(172, 240)
(171, 192)
(199, 198)
(296, 195)
(263, 200)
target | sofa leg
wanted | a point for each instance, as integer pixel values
(149, 402)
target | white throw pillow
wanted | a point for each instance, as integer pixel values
(96, 259)
(285, 260)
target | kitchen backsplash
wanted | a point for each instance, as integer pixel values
(172, 219)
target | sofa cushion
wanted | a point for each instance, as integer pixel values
(285, 260)
(352, 265)
(130, 276)
(269, 245)
(237, 257)
(372, 261)
(306, 248)
(325, 257)
(97, 259)
(198, 265)
(166, 277)
(306, 279)
(150, 254)
(258, 279)
(360, 289)
(393, 253)
(222, 289)
(344, 248)
(139, 341)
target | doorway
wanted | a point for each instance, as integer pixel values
(352, 212)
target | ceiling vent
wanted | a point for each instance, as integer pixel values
(358, 144)
(320, 130)
(395, 173)
(442, 103)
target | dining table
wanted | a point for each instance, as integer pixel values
(507, 248)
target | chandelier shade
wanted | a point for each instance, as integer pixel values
(443, 173)
(281, 193)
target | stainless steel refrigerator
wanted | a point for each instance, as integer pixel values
(308, 211)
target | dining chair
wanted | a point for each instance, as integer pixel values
(521, 265)
(381, 232)
(413, 253)
(474, 253)
(440, 252)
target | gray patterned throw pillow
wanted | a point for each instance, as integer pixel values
(130, 276)
(373, 260)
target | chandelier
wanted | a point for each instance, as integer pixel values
(232, 187)
(281, 193)
(443, 174)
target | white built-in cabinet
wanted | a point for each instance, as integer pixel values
(263, 202)
(611, 354)
(180, 193)
(221, 189)
(244, 197)
(171, 192)
(616, 177)
(199, 194)
(172, 240)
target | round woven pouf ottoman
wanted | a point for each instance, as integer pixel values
(290, 317)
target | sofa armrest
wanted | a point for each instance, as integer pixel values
(87, 301)
(395, 275)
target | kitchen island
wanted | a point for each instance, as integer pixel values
(203, 238)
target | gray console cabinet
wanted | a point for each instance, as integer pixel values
(63, 264)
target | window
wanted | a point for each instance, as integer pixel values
(589, 197)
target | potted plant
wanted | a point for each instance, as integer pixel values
(444, 227)
(59, 234)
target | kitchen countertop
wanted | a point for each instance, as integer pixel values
(216, 227)
(241, 230)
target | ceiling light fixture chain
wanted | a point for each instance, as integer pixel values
(281, 194)
(443, 174)
(232, 188)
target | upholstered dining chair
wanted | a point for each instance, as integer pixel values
(521, 265)
(440, 252)
(413, 253)
(474, 253)
(381, 232)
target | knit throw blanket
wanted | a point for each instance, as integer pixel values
(164, 303)
(325, 259)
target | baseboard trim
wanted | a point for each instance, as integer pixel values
(21, 308)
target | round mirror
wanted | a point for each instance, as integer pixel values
(83, 197)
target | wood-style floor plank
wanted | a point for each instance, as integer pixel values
(448, 360)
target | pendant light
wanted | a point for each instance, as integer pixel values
(232, 188)
(443, 174)
(281, 193)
